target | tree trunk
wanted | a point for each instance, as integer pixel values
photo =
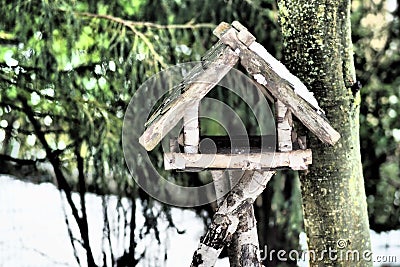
(318, 49)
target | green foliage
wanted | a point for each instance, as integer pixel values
(376, 41)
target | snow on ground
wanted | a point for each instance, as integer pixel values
(33, 232)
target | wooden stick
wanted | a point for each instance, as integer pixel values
(173, 145)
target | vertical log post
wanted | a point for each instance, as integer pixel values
(191, 130)
(221, 184)
(244, 248)
(284, 126)
(230, 218)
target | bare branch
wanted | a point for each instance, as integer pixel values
(70, 234)
(107, 229)
(54, 159)
(187, 26)
(4, 157)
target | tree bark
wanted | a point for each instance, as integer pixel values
(318, 49)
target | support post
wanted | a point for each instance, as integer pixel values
(283, 126)
(191, 130)
(246, 232)
(244, 248)
(229, 218)
(221, 184)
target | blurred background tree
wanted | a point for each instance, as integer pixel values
(69, 68)
(377, 60)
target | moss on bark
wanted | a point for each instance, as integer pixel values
(318, 49)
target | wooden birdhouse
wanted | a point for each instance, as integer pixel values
(253, 165)
(289, 95)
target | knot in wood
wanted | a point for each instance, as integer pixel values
(235, 195)
(197, 259)
(218, 232)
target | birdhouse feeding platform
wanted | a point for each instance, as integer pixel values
(286, 91)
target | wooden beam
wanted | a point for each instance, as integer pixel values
(219, 61)
(296, 160)
(265, 70)
(243, 34)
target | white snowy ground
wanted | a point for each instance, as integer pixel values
(33, 232)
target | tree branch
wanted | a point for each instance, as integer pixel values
(106, 229)
(19, 161)
(189, 25)
(70, 234)
(38, 114)
(61, 180)
(9, 128)
(244, 243)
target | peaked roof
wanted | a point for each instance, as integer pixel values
(237, 43)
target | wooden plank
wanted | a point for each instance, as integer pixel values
(296, 160)
(248, 40)
(298, 87)
(207, 76)
(265, 71)
(221, 28)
